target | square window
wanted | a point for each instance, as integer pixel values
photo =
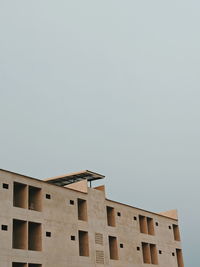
(71, 202)
(121, 245)
(48, 196)
(135, 218)
(119, 214)
(4, 227)
(73, 237)
(48, 234)
(138, 248)
(160, 251)
(5, 186)
(173, 254)
(170, 227)
(156, 223)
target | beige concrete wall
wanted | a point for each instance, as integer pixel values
(59, 217)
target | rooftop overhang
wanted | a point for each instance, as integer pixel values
(67, 179)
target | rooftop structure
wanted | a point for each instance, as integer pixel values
(61, 221)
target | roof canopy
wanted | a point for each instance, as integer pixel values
(74, 177)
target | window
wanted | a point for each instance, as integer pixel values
(71, 202)
(138, 248)
(48, 196)
(19, 234)
(179, 258)
(48, 234)
(156, 223)
(73, 237)
(83, 243)
(135, 218)
(176, 232)
(113, 247)
(35, 198)
(110, 216)
(82, 209)
(146, 253)
(20, 195)
(18, 264)
(160, 251)
(119, 214)
(35, 236)
(143, 224)
(149, 253)
(5, 186)
(170, 227)
(121, 245)
(154, 254)
(34, 265)
(150, 226)
(4, 227)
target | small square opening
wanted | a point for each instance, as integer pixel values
(4, 227)
(5, 186)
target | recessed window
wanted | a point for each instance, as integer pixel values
(170, 227)
(179, 257)
(173, 254)
(5, 186)
(160, 251)
(48, 234)
(35, 198)
(19, 264)
(4, 227)
(20, 195)
(83, 243)
(110, 216)
(135, 218)
(176, 232)
(71, 202)
(121, 245)
(19, 234)
(113, 247)
(34, 236)
(138, 248)
(48, 196)
(119, 214)
(143, 224)
(82, 209)
(73, 237)
(156, 223)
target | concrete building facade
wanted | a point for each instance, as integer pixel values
(63, 222)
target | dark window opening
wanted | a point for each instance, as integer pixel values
(119, 214)
(135, 218)
(20, 195)
(35, 198)
(48, 196)
(82, 209)
(113, 248)
(121, 245)
(71, 202)
(19, 234)
(19, 264)
(170, 227)
(5, 186)
(73, 237)
(156, 223)
(48, 234)
(4, 227)
(138, 248)
(160, 251)
(35, 236)
(34, 265)
(83, 243)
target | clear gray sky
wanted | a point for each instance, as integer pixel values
(112, 86)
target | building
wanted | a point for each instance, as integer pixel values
(63, 222)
